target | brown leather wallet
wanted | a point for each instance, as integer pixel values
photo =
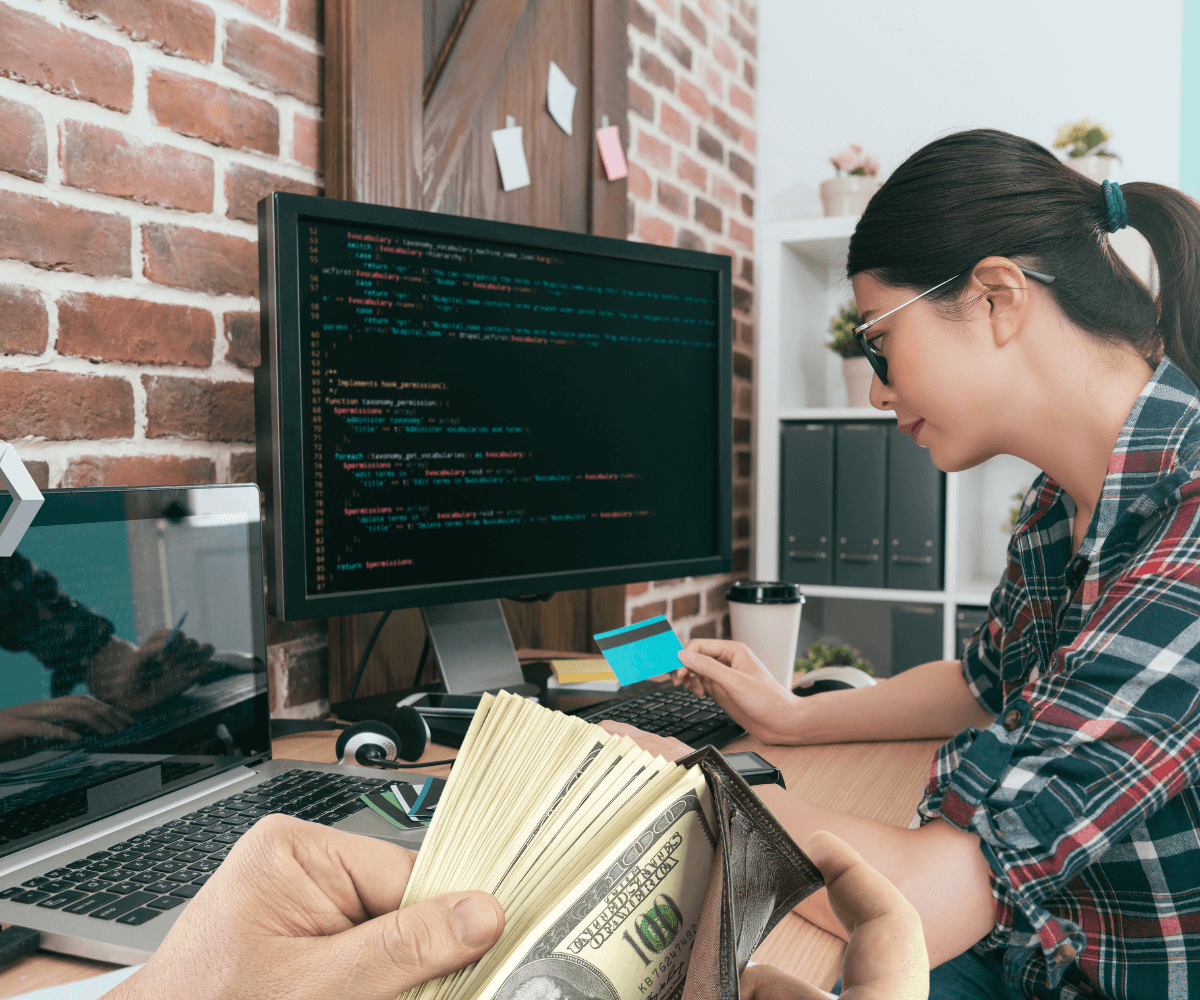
(758, 874)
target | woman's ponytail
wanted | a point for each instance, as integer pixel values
(1170, 222)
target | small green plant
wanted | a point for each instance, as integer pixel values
(1084, 137)
(821, 654)
(842, 327)
(1014, 512)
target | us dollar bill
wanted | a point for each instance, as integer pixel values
(629, 931)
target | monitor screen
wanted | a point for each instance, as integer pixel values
(130, 639)
(486, 410)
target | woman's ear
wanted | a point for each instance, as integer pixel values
(998, 286)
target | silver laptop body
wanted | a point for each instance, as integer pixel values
(105, 805)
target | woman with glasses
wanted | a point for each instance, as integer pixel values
(1059, 847)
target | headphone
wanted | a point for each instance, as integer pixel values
(375, 744)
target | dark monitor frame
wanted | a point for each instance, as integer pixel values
(279, 407)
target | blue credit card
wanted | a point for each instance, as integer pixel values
(639, 652)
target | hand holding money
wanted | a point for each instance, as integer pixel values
(307, 912)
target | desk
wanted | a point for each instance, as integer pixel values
(881, 781)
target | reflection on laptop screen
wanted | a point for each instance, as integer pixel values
(131, 638)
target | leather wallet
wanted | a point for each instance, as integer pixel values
(759, 873)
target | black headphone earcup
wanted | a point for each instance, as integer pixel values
(412, 732)
(363, 729)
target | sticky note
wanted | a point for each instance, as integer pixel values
(638, 652)
(611, 154)
(560, 98)
(510, 154)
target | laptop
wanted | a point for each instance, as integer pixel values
(135, 741)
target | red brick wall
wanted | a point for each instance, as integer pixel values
(691, 184)
(136, 137)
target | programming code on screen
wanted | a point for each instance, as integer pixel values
(481, 410)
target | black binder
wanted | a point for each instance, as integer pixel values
(806, 501)
(916, 635)
(915, 505)
(859, 482)
(967, 620)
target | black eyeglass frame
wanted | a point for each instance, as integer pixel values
(879, 363)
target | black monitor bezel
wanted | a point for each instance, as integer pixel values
(279, 405)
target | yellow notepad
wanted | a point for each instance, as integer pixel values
(577, 671)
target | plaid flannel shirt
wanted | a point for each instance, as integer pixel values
(1083, 791)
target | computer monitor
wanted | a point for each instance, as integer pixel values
(453, 410)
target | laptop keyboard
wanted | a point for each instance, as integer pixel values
(31, 812)
(135, 880)
(677, 713)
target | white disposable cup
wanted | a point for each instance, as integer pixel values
(766, 617)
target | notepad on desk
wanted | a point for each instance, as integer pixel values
(583, 675)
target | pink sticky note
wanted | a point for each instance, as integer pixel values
(611, 155)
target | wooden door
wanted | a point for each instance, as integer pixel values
(413, 90)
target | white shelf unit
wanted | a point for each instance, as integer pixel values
(802, 281)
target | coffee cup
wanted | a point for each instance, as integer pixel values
(765, 615)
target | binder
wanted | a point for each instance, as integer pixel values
(915, 516)
(916, 635)
(806, 515)
(860, 474)
(967, 620)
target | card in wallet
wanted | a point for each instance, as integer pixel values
(759, 873)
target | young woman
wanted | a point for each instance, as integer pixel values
(1060, 851)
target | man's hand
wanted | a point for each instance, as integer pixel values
(303, 912)
(885, 958)
(60, 719)
(736, 679)
(136, 678)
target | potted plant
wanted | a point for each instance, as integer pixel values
(848, 192)
(856, 369)
(1086, 142)
(821, 654)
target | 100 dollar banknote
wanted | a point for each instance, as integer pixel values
(628, 932)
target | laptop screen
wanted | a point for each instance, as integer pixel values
(132, 651)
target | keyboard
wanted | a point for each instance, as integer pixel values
(138, 879)
(693, 719)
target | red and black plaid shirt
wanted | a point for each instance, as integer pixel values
(1084, 790)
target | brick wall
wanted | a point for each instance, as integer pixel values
(136, 137)
(691, 184)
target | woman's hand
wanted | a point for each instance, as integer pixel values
(60, 719)
(666, 747)
(306, 912)
(136, 678)
(885, 957)
(736, 679)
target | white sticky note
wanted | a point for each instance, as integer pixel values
(560, 98)
(510, 154)
(611, 154)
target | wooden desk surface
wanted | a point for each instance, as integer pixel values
(881, 781)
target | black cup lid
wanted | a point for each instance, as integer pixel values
(764, 592)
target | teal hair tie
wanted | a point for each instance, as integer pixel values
(1114, 201)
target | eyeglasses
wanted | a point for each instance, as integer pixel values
(878, 362)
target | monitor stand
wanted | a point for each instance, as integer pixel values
(474, 649)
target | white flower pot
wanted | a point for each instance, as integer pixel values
(1098, 168)
(847, 194)
(858, 374)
